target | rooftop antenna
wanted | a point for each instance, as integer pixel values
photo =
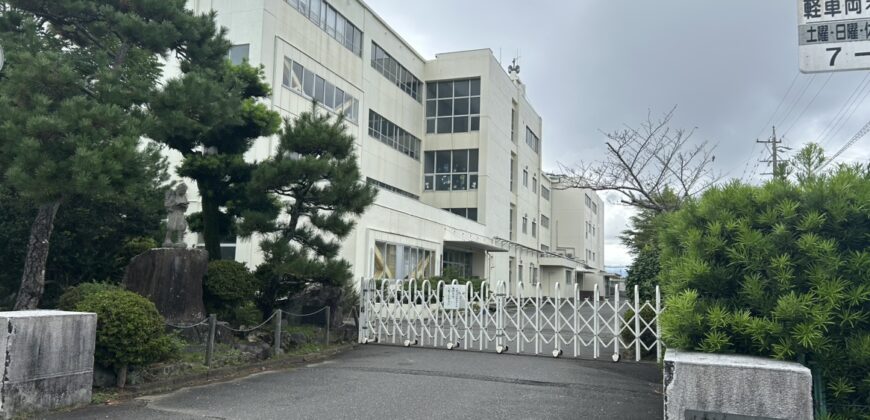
(514, 67)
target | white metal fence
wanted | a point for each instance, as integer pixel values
(456, 316)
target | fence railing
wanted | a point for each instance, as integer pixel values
(277, 321)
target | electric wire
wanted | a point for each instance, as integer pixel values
(804, 111)
(838, 116)
(798, 100)
(857, 104)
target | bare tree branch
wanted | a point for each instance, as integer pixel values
(655, 167)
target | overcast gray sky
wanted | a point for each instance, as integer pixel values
(593, 65)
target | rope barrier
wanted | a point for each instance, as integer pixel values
(184, 327)
(250, 329)
(315, 312)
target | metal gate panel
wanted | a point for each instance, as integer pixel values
(401, 313)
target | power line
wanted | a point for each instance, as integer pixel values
(767, 124)
(842, 110)
(798, 100)
(857, 105)
(830, 75)
(858, 136)
(775, 149)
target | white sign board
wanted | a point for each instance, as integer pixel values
(834, 35)
(454, 297)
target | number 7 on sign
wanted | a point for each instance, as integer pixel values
(836, 52)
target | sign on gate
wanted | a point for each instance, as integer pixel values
(834, 35)
(455, 297)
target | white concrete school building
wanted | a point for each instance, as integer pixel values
(452, 143)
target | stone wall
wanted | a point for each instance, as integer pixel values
(47, 360)
(724, 386)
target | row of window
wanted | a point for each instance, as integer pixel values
(545, 221)
(468, 213)
(450, 170)
(590, 256)
(532, 140)
(389, 187)
(591, 204)
(396, 73)
(590, 229)
(393, 135)
(453, 106)
(304, 81)
(330, 21)
(393, 261)
(545, 193)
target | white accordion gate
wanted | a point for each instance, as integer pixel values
(455, 316)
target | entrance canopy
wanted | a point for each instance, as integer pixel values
(473, 246)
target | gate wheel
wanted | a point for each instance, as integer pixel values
(557, 353)
(451, 345)
(409, 343)
(615, 357)
(501, 349)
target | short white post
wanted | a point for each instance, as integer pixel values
(595, 319)
(615, 322)
(637, 333)
(658, 324)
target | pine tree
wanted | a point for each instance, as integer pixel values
(315, 187)
(78, 74)
(212, 114)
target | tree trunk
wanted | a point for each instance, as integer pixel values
(33, 276)
(211, 229)
(121, 377)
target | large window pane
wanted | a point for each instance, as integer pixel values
(472, 160)
(475, 123)
(460, 182)
(472, 214)
(430, 126)
(329, 95)
(298, 74)
(460, 124)
(443, 183)
(339, 28)
(428, 182)
(460, 88)
(309, 83)
(445, 89)
(475, 87)
(286, 74)
(339, 99)
(442, 161)
(475, 106)
(330, 21)
(445, 107)
(239, 53)
(445, 125)
(303, 7)
(314, 15)
(430, 108)
(319, 89)
(460, 106)
(460, 161)
(472, 182)
(431, 90)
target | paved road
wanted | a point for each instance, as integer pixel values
(385, 382)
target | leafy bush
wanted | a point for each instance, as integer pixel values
(229, 289)
(648, 338)
(72, 296)
(644, 273)
(780, 270)
(130, 331)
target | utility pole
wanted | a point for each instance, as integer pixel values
(775, 149)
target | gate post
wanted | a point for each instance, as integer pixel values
(637, 333)
(658, 324)
(616, 331)
(363, 313)
(595, 318)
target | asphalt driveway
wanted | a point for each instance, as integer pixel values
(386, 382)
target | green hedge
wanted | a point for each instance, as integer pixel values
(781, 270)
(229, 290)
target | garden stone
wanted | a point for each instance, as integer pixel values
(172, 279)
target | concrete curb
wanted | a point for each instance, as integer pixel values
(227, 373)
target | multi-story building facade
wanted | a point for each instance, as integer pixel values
(452, 143)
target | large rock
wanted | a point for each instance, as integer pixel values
(46, 360)
(727, 386)
(314, 297)
(172, 279)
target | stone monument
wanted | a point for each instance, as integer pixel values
(176, 203)
(171, 276)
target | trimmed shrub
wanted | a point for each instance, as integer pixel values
(781, 270)
(229, 288)
(74, 295)
(130, 331)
